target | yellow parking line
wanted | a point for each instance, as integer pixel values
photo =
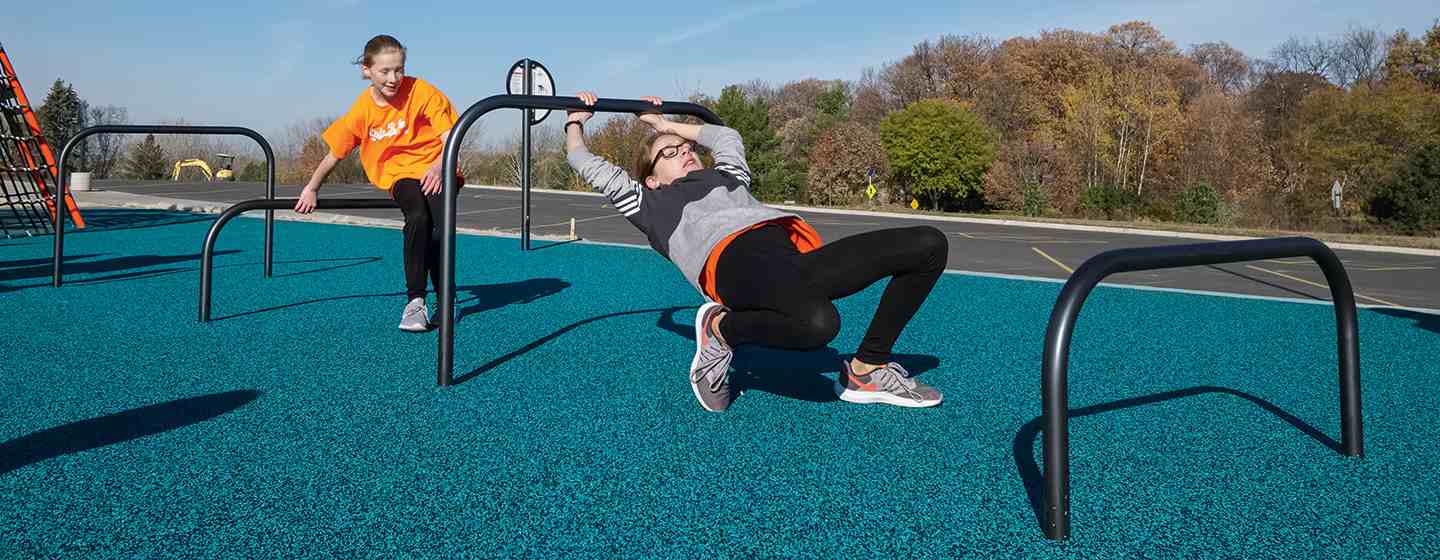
(1318, 285)
(1067, 269)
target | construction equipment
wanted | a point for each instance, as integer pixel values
(227, 168)
(27, 166)
(226, 172)
(196, 163)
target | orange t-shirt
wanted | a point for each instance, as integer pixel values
(398, 141)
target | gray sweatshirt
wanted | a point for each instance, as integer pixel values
(685, 220)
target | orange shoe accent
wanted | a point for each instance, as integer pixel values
(852, 380)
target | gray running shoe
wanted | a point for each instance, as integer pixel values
(710, 368)
(890, 384)
(416, 317)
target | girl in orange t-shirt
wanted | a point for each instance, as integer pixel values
(399, 124)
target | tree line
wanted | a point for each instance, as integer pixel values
(1122, 124)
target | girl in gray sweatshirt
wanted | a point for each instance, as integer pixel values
(765, 274)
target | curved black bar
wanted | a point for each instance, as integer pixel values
(1055, 363)
(270, 205)
(446, 362)
(61, 191)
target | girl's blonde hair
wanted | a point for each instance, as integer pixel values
(377, 45)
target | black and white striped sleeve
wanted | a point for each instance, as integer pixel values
(623, 192)
(627, 201)
(739, 173)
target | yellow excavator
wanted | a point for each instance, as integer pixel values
(226, 172)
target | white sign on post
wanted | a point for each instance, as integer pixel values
(541, 83)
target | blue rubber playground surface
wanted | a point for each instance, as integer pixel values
(301, 423)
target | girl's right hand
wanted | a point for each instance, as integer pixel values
(306, 202)
(587, 98)
(655, 120)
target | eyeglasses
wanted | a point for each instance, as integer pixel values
(669, 152)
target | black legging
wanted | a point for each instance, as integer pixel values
(422, 235)
(779, 297)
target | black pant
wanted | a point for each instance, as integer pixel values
(422, 235)
(781, 298)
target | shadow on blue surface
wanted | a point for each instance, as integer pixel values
(1423, 321)
(486, 296)
(796, 374)
(122, 263)
(118, 428)
(664, 322)
(801, 375)
(1024, 443)
(112, 219)
(793, 374)
(116, 264)
(47, 261)
(349, 262)
(553, 244)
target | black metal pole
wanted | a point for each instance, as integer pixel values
(1055, 361)
(270, 205)
(270, 213)
(62, 185)
(445, 361)
(1348, 349)
(525, 117)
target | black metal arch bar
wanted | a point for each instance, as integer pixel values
(446, 363)
(269, 205)
(1055, 363)
(60, 210)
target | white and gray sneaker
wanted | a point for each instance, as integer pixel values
(416, 317)
(890, 384)
(710, 368)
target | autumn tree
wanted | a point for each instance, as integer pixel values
(620, 139)
(1410, 200)
(1228, 69)
(1361, 136)
(841, 162)
(1415, 59)
(940, 151)
(1358, 56)
(302, 151)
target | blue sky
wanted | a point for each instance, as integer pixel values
(270, 64)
